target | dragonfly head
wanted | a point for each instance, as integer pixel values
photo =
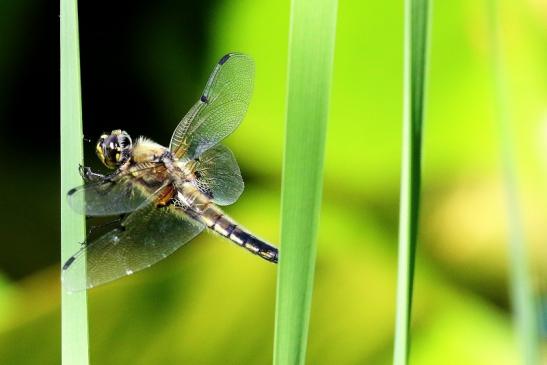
(114, 149)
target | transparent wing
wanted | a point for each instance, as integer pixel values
(218, 176)
(119, 194)
(220, 109)
(145, 237)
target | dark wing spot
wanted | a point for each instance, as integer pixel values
(204, 99)
(68, 263)
(224, 59)
(72, 191)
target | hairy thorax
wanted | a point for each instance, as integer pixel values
(155, 167)
(146, 150)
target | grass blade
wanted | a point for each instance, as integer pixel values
(524, 309)
(415, 43)
(74, 305)
(311, 52)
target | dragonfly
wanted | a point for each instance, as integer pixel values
(165, 196)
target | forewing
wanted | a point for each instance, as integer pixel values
(119, 194)
(218, 175)
(220, 109)
(145, 237)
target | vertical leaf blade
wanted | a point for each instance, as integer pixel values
(415, 70)
(522, 298)
(74, 305)
(311, 52)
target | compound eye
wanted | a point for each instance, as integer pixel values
(122, 142)
(112, 148)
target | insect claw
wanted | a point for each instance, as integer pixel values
(88, 175)
(85, 172)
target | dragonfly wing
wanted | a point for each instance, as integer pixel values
(220, 109)
(119, 194)
(143, 238)
(218, 175)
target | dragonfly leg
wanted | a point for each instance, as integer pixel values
(88, 175)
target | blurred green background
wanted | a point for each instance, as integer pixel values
(143, 66)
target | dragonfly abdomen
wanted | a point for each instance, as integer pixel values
(202, 209)
(227, 227)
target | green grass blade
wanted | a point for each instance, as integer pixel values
(74, 306)
(524, 308)
(415, 47)
(311, 52)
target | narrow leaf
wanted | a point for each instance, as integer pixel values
(311, 52)
(74, 306)
(415, 70)
(524, 309)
